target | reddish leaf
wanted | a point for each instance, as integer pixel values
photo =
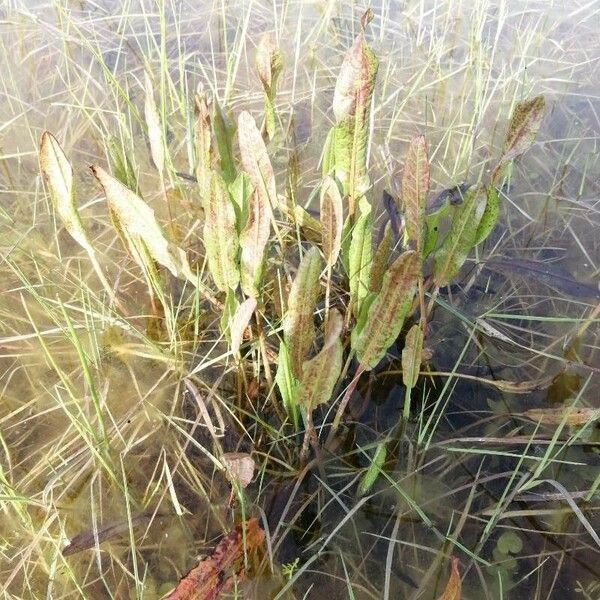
(216, 573)
(453, 588)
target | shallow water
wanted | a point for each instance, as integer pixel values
(449, 69)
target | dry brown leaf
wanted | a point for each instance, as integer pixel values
(239, 467)
(218, 572)
(572, 416)
(453, 588)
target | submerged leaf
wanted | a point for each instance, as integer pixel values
(255, 234)
(140, 227)
(287, 383)
(121, 164)
(224, 568)
(332, 220)
(220, 235)
(387, 310)
(380, 260)
(374, 469)
(298, 324)
(460, 238)
(524, 124)
(320, 374)
(454, 585)
(411, 356)
(572, 416)
(155, 131)
(224, 131)
(490, 215)
(239, 467)
(415, 187)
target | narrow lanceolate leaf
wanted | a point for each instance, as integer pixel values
(332, 220)
(388, 310)
(204, 149)
(255, 235)
(269, 63)
(298, 324)
(220, 235)
(320, 374)
(240, 322)
(411, 356)
(155, 131)
(360, 259)
(140, 227)
(415, 187)
(373, 471)
(460, 238)
(58, 175)
(351, 107)
(571, 415)
(121, 164)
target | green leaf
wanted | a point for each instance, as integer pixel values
(351, 107)
(121, 164)
(320, 374)
(287, 384)
(411, 356)
(298, 323)
(229, 308)
(388, 310)
(432, 227)
(255, 234)
(415, 187)
(360, 259)
(509, 542)
(224, 131)
(220, 235)
(380, 260)
(241, 192)
(332, 220)
(490, 215)
(460, 238)
(374, 469)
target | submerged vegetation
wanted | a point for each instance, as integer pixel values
(255, 359)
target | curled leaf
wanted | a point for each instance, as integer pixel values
(223, 568)
(220, 235)
(298, 324)
(240, 321)
(415, 187)
(387, 311)
(203, 143)
(140, 227)
(155, 131)
(269, 63)
(332, 220)
(255, 234)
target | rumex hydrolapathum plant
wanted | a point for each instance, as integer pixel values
(269, 63)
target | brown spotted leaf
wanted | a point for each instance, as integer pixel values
(380, 260)
(320, 374)
(386, 313)
(204, 148)
(220, 235)
(415, 187)
(239, 467)
(269, 63)
(255, 235)
(524, 124)
(223, 568)
(572, 416)
(239, 322)
(332, 220)
(298, 324)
